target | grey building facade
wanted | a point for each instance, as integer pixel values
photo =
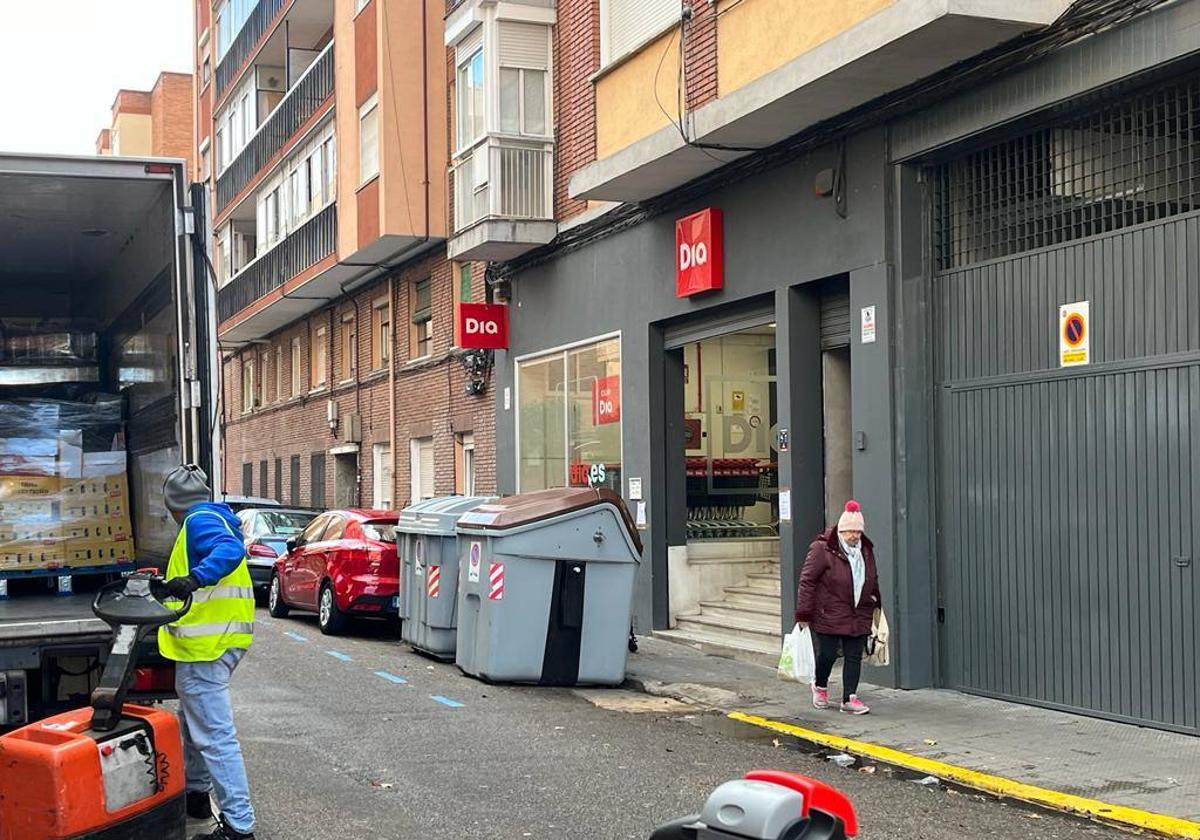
(1035, 517)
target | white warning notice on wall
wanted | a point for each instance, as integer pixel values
(868, 325)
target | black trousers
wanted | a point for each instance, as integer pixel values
(827, 649)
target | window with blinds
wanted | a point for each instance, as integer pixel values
(317, 482)
(422, 468)
(524, 65)
(627, 24)
(421, 334)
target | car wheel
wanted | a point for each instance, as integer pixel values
(330, 619)
(275, 605)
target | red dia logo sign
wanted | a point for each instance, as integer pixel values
(483, 326)
(606, 400)
(699, 253)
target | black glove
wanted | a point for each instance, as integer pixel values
(181, 587)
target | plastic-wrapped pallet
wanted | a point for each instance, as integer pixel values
(62, 503)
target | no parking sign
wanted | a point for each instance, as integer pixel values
(474, 563)
(1074, 334)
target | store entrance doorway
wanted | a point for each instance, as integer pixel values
(724, 589)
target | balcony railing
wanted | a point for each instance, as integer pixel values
(503, 178)
(245, 41)
(293, 111)
(306, 246)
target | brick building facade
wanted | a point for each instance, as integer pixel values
(335, 302)
(152, 123)
(285, 437)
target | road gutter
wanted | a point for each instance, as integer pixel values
(1003, 788)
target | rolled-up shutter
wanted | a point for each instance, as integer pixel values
(629, 23)
(835, 314)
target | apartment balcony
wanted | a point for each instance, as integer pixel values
(503, 192)
(265, 295)
(246, 42)
(311, 93)
(809, 62)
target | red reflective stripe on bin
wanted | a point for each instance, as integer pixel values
(496, 576)
(433, 583)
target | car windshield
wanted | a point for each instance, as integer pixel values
(380, 531)
(284, 523)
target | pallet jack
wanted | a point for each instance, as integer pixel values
(108, 771)
(768, 805)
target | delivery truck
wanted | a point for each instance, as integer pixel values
(108, 380)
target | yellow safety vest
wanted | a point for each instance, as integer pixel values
(221, 617)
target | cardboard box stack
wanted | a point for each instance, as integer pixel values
(63, 502)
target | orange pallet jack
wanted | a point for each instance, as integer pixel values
(110, 771)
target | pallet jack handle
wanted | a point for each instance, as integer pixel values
(133, 607)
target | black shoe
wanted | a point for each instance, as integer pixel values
(199, 805)
(223, 832)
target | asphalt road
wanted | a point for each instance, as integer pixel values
(358, 738)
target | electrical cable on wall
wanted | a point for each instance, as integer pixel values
(1084, 19)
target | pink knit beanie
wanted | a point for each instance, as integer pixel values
(852, 518)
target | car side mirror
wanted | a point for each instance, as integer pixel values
(292, 544)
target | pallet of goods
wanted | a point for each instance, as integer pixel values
(64, 488)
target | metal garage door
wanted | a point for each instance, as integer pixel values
(1069, 497)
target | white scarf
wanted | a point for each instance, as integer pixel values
(858, 566)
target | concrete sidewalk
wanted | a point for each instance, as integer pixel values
(1115, 763)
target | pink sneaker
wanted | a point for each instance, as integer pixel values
(854, 706)
(820, 697)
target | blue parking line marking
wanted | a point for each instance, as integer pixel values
(446, 701)
(295, 636)
(391, 678)
(337, 654)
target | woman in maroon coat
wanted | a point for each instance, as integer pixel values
(838, 596)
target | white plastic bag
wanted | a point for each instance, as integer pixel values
(877, 643)
(796, 661)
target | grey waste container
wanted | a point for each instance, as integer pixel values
(546, 588)
(425, 542)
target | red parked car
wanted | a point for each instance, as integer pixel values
(342, 565)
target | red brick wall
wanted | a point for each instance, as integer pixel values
(700, 55)
(430, 398)
(430, 393)
(131, 102)
(171, 117)
(367, 199)
(366, 54)
(576, 58)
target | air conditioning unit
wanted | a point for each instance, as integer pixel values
(350, 430)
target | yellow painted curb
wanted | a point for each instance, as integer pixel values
(995, 785)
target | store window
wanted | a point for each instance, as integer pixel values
(569, 422)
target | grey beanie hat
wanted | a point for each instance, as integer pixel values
(185, 486)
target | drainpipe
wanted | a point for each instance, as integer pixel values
(392, 381)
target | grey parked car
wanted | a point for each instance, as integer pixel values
(266, 531)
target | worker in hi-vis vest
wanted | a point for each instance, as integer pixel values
(208, 562)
